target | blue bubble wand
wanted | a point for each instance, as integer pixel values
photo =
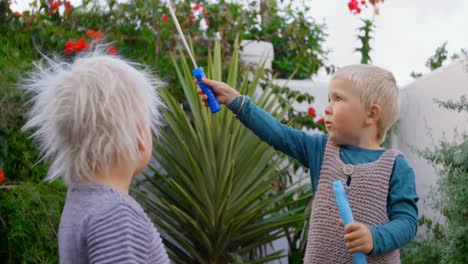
(346, 214)
(198, 73)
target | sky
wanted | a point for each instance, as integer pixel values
(407, 32)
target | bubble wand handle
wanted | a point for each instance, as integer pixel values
(346, 214)
(198, 72)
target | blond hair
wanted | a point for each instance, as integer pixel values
(86, 113)
(375, 86)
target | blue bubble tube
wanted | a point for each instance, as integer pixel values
(213, 103)
(346, 214)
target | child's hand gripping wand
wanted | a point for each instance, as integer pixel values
(198, 73)
(346, 214)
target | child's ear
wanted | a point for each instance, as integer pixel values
(141, 146)
(140, 137)
(374, 114)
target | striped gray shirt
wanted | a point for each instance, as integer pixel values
(102, 225)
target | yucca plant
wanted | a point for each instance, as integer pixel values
(211, 193)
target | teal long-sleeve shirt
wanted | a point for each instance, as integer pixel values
(309, 150)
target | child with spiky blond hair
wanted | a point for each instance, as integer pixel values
(93, 120)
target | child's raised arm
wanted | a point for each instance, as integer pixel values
(294, 143)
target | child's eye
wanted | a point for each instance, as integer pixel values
(338, 98)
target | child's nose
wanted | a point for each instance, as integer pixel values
(328, 110)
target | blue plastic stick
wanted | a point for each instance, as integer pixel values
(346, 214)
(212, 101)
(198, 72)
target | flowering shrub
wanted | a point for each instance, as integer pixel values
(290, 30)
(295, 36)
(355, 7)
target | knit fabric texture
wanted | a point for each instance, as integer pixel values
(367, 194)
(101, 225)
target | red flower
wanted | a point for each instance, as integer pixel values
(80, 45)
(68, 6)
(197, 6)
(111, 50)
(54, 7)
(94, 34)
(204, 10)
(2, 175)
(320, 121)
(165, 18)
(56, 4)
(353, 5)
(18, 14)
(71, 47)
(363, 2)
(311, 111)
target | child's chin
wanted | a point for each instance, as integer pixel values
(335, 140)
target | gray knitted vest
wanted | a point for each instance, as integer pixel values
(367, 195)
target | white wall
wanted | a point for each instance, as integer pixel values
(319, 89)
(423, 124)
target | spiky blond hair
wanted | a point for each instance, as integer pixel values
(85, 114)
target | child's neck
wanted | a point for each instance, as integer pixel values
(365, 143)
(117, 178)
(366, 139)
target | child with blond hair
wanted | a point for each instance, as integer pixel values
(93, 120)
(380, 184)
